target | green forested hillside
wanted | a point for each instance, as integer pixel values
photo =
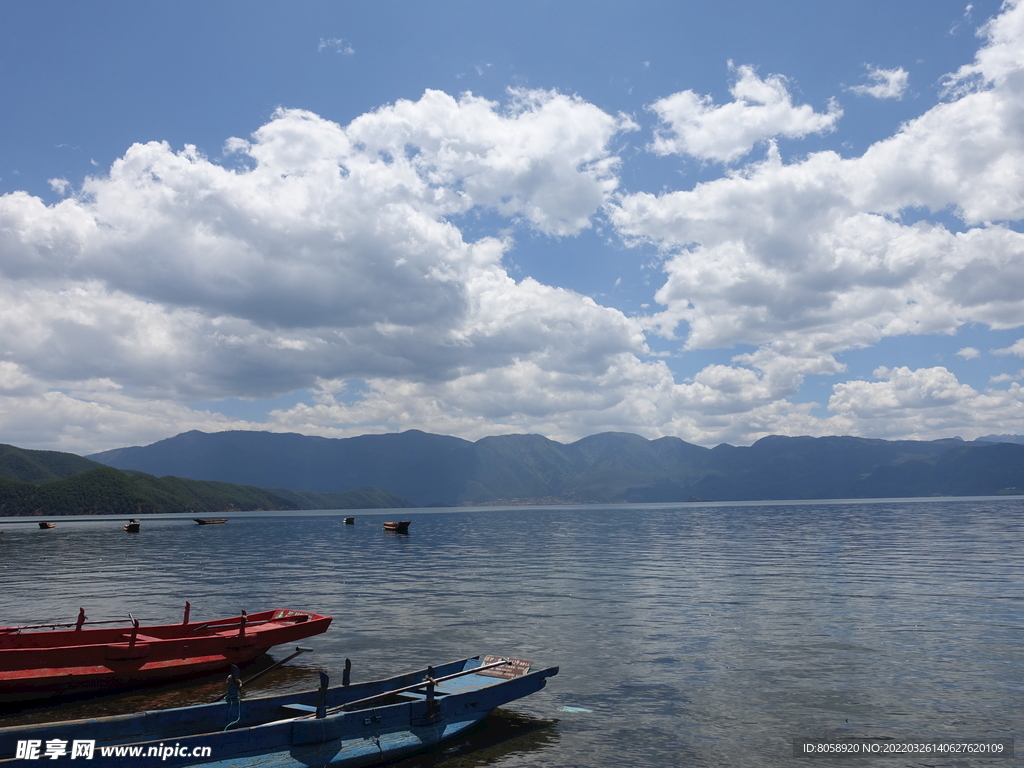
(41, 466)
(367, 497)
(54, 483)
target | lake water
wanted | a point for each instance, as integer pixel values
(687, 635)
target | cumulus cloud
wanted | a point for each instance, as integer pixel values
(1005, 377)
(925, 403)
(330, 221)
(885, 83)
(762, 109)
(329, 254)
(721, 403)
(969, 353)
(13, 380)
(1017, 348)
(97, 416)
(814, 255)
(997, 62)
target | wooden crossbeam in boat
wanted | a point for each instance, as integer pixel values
(415, 686)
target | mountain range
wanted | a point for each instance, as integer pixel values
(55, 483)
(439, 470)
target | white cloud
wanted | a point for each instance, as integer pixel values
(1001, 59)
(544, 157)
(95, 418)
(330, 220)
(812, 258)
(1017, 348)
(330, 256)
(1002, 378)
(927, 403)
(885, 83)
(969, 353)
(564, 402)
(336, 44)
(13, 380)
(762, 109)
(965, 18)
(720, 404)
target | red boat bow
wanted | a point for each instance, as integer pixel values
(39, 664)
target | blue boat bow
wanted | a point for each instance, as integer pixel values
(356, 725)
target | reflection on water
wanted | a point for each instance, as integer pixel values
(501, 738)
(689, 635)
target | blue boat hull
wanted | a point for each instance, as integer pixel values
(282, 731)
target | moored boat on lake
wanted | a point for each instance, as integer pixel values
(400, 526)
(36, 663)
(349, 725)
(132, 526)
(210, 521)
(47, 525)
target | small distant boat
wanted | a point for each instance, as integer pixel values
(210, 521)
(350, 521)
(46, 660)
(132, 526)
(401, 526)
(345, 726)
(47, 525)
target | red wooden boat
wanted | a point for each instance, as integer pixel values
(400, 526)
(35, 663)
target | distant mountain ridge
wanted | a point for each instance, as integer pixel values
(440, 470)
(55, 483)
(1001, 439)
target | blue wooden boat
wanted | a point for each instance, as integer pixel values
(349, 725)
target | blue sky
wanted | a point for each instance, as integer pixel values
(711, 220)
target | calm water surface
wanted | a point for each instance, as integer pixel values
(688, 635)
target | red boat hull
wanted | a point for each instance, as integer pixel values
(37, 665)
